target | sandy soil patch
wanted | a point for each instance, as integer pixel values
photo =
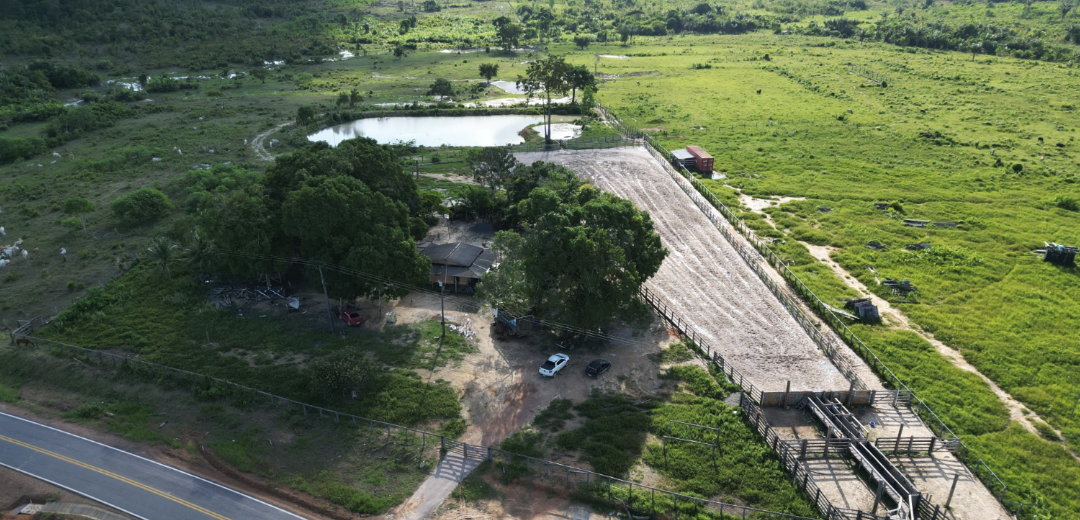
(705, 280)
(501, 386)
(758, 205)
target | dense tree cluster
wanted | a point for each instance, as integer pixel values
(912, 29)
(165, 33)
(353, 207)
(579, 256)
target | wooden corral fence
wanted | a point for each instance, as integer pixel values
(800, 474)
(580, 143)
(24, 328)
(852, 397)
(932, 421)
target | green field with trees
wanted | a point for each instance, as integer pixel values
(127, 134)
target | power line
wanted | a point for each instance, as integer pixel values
(389, 282)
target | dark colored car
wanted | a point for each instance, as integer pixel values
(597, 367)
(353, 318)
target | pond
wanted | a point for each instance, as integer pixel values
(509, 86)
(437, 131)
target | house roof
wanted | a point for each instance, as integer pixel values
(459, 259)
(682, 155)
(453, 254)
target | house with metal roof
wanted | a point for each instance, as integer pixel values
(457, 264)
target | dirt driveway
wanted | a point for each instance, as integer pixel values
(502, 389)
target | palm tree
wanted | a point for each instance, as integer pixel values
(163, 251)
(200, 251)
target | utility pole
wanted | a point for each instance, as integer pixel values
(442, 303)
(329, 313)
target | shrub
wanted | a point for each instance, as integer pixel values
(1066, 202)
(554, 417)
(454, 428)
(1017, 168)
(141, 205)
(441, 87)
(1046, 431)
(15, 148)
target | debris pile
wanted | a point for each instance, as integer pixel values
(900, 288)
(1059, 254)
(864, 309)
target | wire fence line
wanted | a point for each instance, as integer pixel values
(615, 490)
(977, 465)
(580, 143)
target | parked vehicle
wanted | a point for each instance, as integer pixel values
(597, 367)
(553, 365)
(353, 318)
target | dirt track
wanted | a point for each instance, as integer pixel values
(704, 279)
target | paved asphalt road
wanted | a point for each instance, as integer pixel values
(140, 487)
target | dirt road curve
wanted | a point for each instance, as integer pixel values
(257, 143)
(704, 280)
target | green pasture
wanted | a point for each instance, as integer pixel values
(930, 142)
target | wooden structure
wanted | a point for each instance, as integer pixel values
(507, 323)
(1059, 254)
(892, 486)
(702, 160)
(900, 288)
(864, 309)
(684, 158)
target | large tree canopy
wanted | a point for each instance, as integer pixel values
(375, 165)
(581, 260)
(548, 75)
(242, 228)
(491, 166)
(342, 222)
(352, 207)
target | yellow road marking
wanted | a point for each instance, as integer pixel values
(110, 474)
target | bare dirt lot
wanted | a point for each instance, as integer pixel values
(501, 384)
(704, 279)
